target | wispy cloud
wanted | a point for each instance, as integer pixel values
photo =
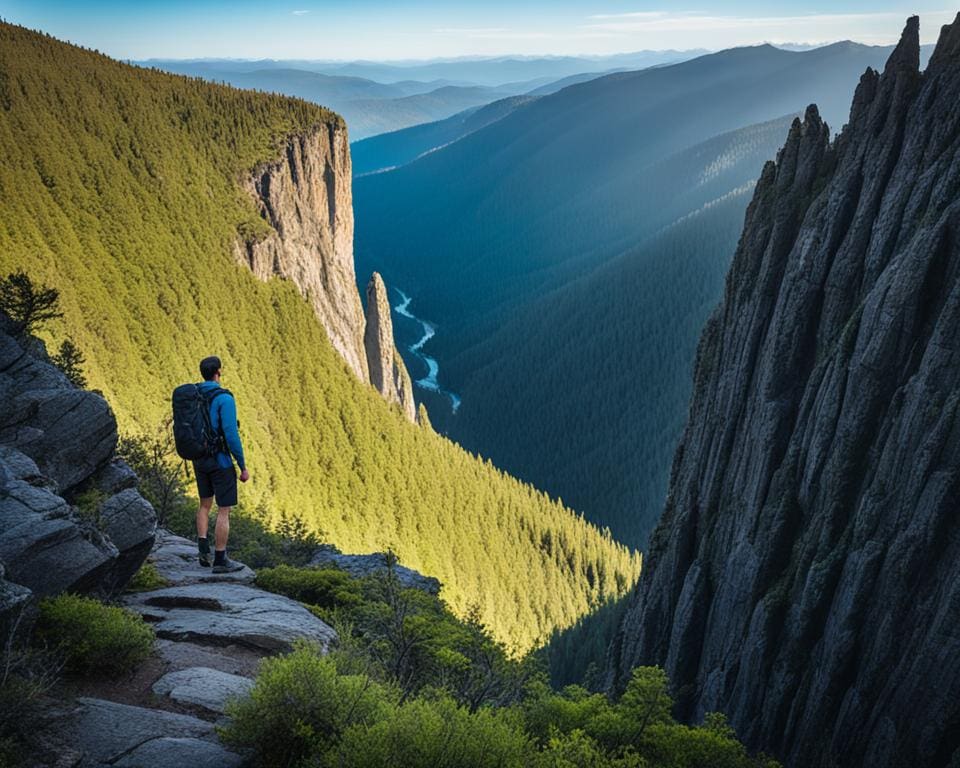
(299, 13)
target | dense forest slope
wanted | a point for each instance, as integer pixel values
(483, 234)
(124, 189)
(606, 383)
(804, 577)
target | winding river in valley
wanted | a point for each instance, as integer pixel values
(428, 382)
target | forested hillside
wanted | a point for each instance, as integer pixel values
(120, 187)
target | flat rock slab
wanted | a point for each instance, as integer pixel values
(170, 752)
(223, 614)
(203, 687)
(232, 659)
(176, 560)
(108, 733)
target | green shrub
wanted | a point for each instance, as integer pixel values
(300, 707)
(436, 733)
(325, 588)
(93, 637)
(146, 579)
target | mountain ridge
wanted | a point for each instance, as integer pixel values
(803, 575)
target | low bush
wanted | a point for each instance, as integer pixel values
(326, 588)
(300, 707)
(91, 636)
(436, 733)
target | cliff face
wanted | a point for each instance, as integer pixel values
(805, 576)
(306, 197)
(388, 374)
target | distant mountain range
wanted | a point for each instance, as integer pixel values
(380, 97)
(554, 211)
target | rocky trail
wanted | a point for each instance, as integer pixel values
(211, 632)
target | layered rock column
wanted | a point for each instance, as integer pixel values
(388, 374)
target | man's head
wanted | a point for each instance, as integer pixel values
(210, 368)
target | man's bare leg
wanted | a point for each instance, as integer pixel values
(203, 517)
(222, 530)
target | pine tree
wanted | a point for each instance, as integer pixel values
(29, 306)
(70, 360)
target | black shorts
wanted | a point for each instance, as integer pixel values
(214, 480)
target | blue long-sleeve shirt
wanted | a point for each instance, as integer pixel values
(223, 416)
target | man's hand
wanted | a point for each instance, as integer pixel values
(244, 476)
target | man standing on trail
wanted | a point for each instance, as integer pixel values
(216, 475)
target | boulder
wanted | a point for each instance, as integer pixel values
(131, 523)
(108, 733)
(46, 547)
(223, 614)
(55, 440)
(203, 687)
(375, 563)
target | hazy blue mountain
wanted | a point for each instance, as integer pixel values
(372, 116)
(389, 150)
(514, 223)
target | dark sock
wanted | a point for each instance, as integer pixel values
(218, 556)
(203, 544)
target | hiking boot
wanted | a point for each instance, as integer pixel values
(227, 566)
(206, 559)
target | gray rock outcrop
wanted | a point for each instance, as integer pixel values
(805, 575)
(375, 563)
(55, 441)
(225, 614)
(306, 198)
(388, 374)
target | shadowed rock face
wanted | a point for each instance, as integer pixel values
(388, 374)
(805, 575)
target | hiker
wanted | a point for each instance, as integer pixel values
(216, 475)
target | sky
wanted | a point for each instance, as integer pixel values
(385, 30)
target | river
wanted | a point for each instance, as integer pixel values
(428, 382)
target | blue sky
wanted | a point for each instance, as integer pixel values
(379, 29)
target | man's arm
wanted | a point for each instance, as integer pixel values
(228, 424)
